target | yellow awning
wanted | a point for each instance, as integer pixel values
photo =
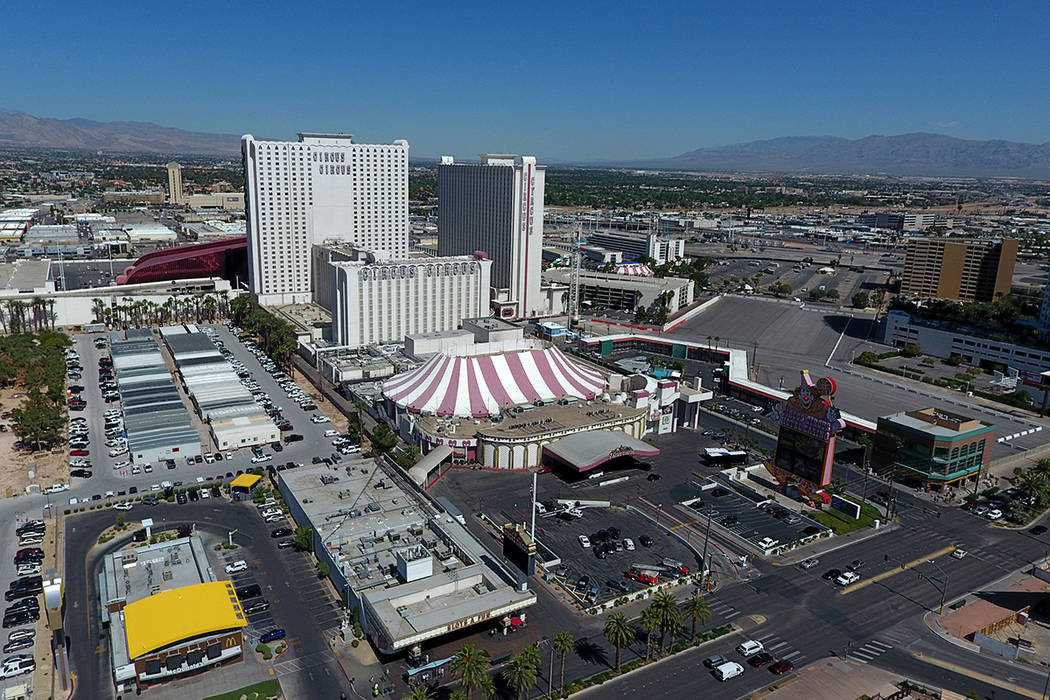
(245, 481)
(181, 613)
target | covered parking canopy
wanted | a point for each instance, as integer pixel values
(584, 451)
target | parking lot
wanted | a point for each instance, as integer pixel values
(844, 280)
(300, 603)
(579, 563)
(106, 479)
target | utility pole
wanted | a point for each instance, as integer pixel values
(704, 568)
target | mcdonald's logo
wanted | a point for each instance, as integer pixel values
(229, 642)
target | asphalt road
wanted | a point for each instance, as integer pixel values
(280, 573)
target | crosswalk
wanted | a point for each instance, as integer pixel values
(870, 651)
(721, 610)
(779, 648)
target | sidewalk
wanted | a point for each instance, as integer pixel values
(834, 679)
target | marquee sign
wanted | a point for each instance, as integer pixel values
(806, 441)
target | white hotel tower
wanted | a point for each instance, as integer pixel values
(320, 188)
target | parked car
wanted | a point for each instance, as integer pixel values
(749, 647)
(781, 667)
(237, 566)
(847, 577)
(272, 636)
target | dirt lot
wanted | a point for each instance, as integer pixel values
(339, 421)
(15, 467)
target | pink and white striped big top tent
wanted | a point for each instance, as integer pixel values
(481, 385)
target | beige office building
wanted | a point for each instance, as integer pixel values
(962, 270)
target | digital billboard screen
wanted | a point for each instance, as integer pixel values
(801, 455)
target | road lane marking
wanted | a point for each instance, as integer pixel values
(962, 670)
(896, 570)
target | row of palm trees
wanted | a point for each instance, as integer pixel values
(18, 316)
(190, 308)
(664, 615)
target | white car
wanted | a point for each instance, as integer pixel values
(585, 541)
(165, 484)
(154, 487)
(847, 577)
(209, 458)
(57, 488)
(73, 501)
(628, 544)
(958, 553)
(118, 451)
(237, 566)
(27, 569)
(200, 479)
(320, 419)
(273, 519)
(331, 433)
(994, 514)
(24, 633)
(31, 541)
(269, 512)
(261, 458)
(122, 506)
(17, 665)
(205, 493)
(749, 647)
(125, 464)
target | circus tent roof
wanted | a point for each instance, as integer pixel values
(481, 385)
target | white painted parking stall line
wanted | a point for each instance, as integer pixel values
(764, 637)
(791, 655)
(776, 646)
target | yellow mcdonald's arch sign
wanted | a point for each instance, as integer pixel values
(229, 642)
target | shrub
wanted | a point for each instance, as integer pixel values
(355, 643)
(911, 350)
(265, 650)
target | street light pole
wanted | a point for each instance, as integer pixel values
(704, 568)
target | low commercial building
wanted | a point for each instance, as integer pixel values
(165, 616)
(156, 421)
(626, 292)
(221, 399)
(412, 575)
(902, 329)
(637, 245)
(932, 446)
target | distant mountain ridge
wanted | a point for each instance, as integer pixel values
(25, 130)
(906, 154)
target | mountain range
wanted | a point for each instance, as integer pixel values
(906, 154)
(915, 154)
(24, 130)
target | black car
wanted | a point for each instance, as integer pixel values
(133, 489)
(277, 447)
(181, 498)
(294, 437)
(281, 532)
(645, 541)
(257, 607)
(583, 582)
(252, 590)
(195, 495)
(855, 565)
(81, 473)
(21, 617)
(599, 551)
(24, 604)
(149, 500)
(760, 659)
(831, 574)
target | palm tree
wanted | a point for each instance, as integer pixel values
(532, 653)
(520, 674)
(470, 667)
(696, 608)
(618, 632)
(563, 643)
(457, 695)
(649, 622)
(420, 692)
(667, 613)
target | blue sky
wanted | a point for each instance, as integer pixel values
(563, 80)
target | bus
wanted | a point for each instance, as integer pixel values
(719, 456)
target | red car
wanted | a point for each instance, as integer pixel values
(781, 667)
(78, 453)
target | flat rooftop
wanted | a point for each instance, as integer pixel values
(136, 573)
(24, 275)
(537, 421)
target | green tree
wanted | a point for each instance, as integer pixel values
(911, 350)
(650, 621)
(304, 539)
(618, 632)
(520, 674)
(323, 569)
(861, 300)
(563, 644)
(832, 294)
(697, 610)
(420, 692)
(470, 668)
(532, 654)
(667, 614)
(780, 289)
(383, 439)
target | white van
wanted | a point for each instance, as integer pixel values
(730, 669)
